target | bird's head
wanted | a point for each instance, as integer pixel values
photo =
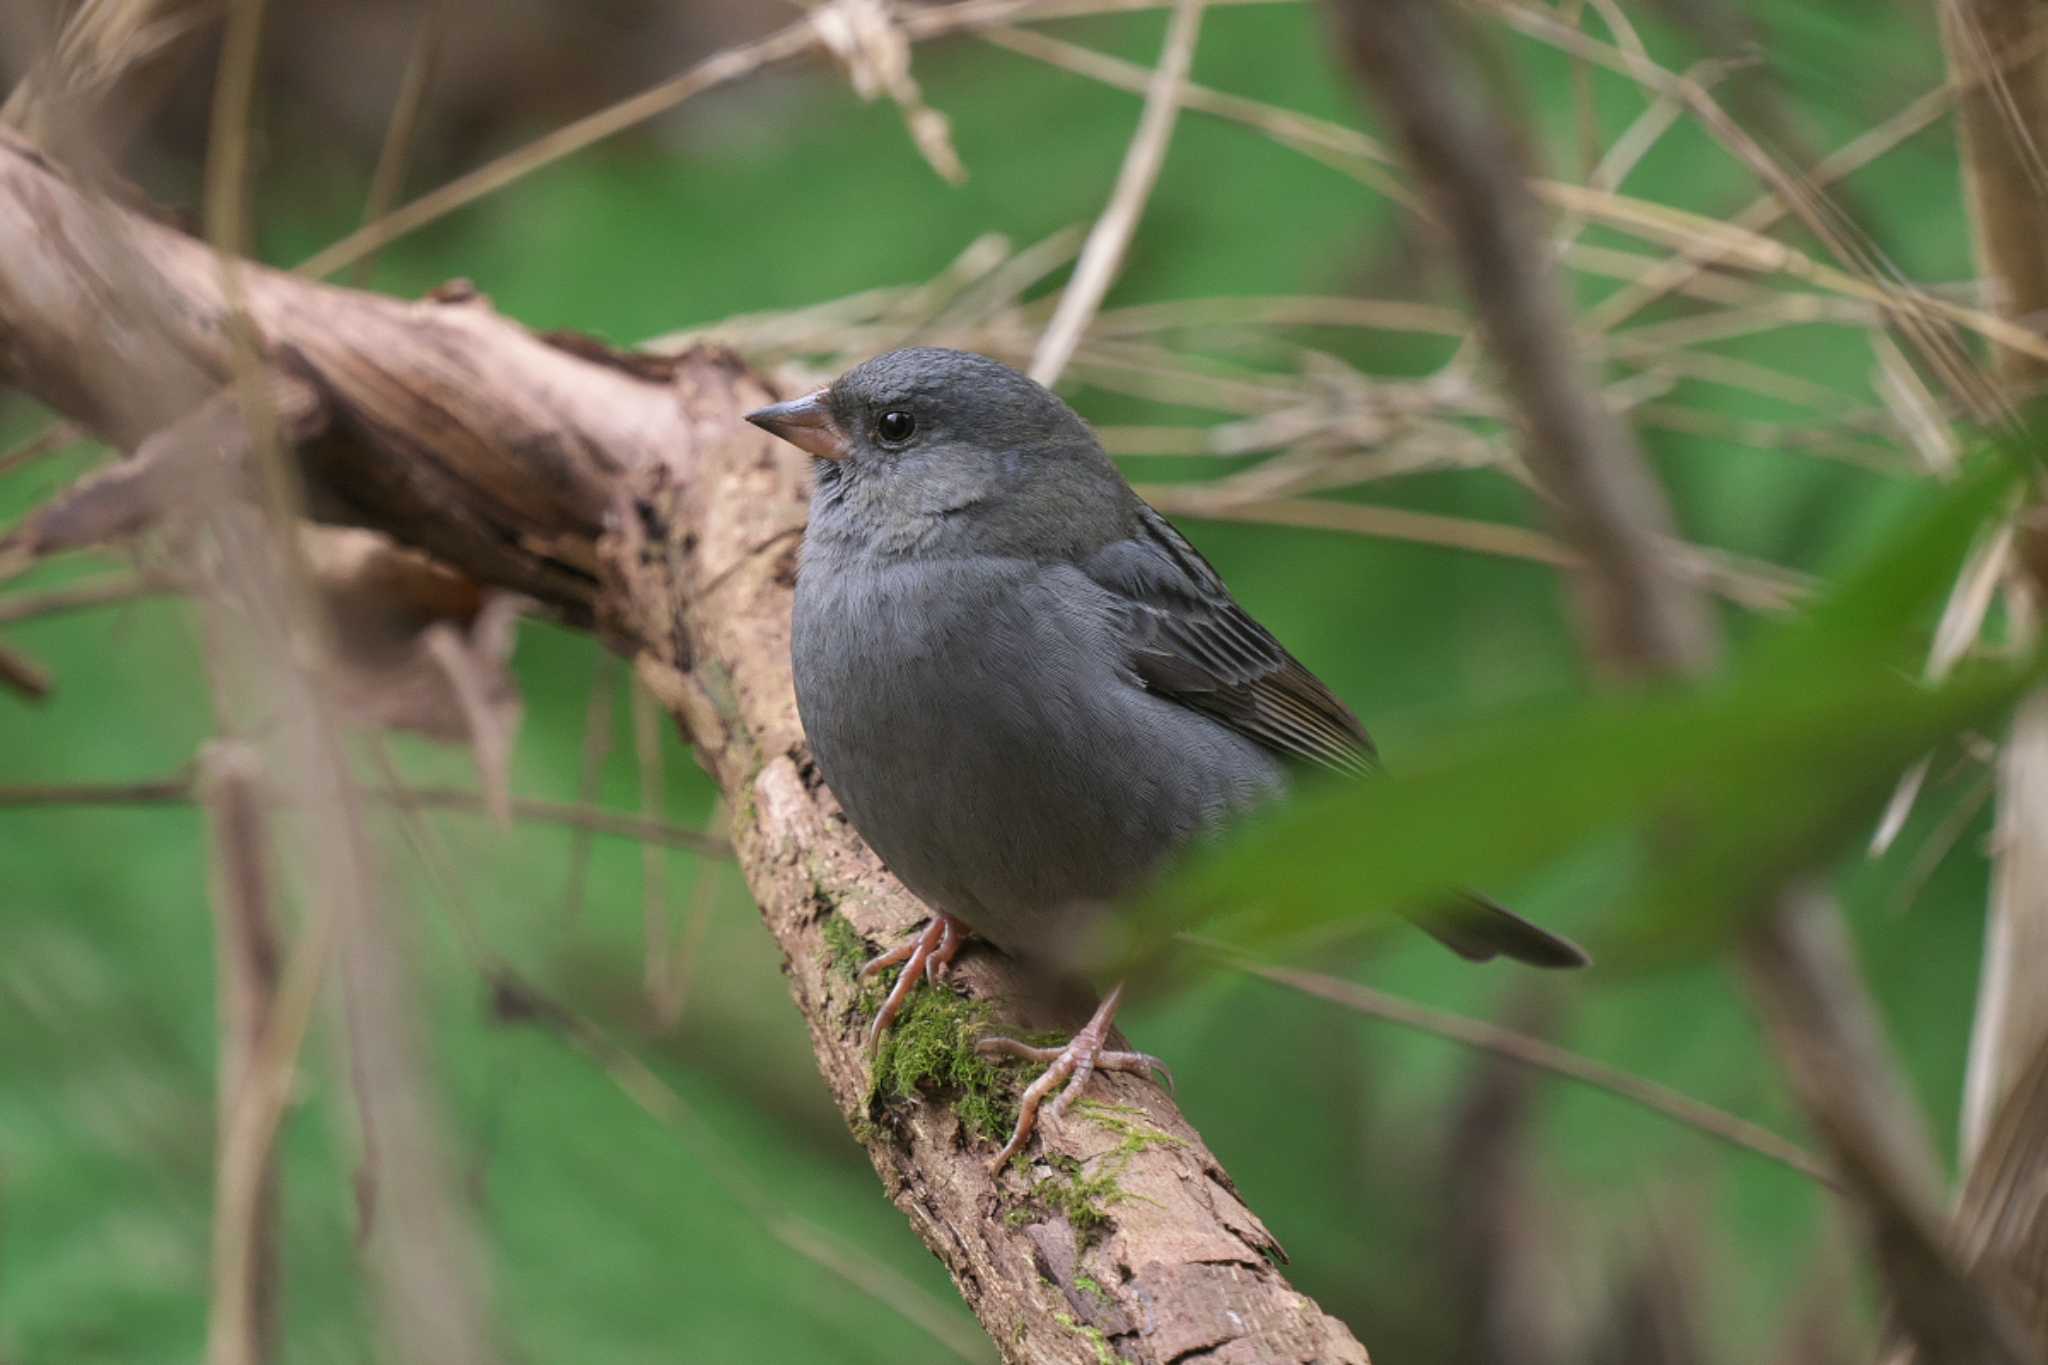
(949, 451)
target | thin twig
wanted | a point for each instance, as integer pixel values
(242, 1325)
(1749, 583)
(1610, 510)
(91, 592)
(19, 673)
(646, 1088)
(1863, 260)
(597, 747)
(704, 896)
(1361, 156)
(179, 791)
(1103, 253)
(392, 158)
(658, 964)
(1539, 1055)
(733, 64)
(1918, 115)
(51, 439)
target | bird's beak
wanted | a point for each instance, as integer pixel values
(807, 424)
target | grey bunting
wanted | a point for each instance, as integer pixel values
(1027, 688)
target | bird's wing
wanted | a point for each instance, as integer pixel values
(1189, 640)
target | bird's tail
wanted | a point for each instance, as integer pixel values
(1476, 928)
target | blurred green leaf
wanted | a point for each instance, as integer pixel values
(1721, 788)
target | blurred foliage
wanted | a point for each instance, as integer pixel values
(610, 1238)
(1824, 712)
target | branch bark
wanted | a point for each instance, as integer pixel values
(623, 491)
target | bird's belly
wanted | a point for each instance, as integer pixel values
(1000, 761)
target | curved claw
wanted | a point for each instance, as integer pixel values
(1072, 1065)
(938, 942)
(939, 962)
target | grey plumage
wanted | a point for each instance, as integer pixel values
(1025, 686)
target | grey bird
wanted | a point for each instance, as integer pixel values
(1025, 686)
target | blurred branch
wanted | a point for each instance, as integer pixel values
(1824, 1027)
(1608, 508)
(2012, 1008)
(723, 68)
(1843, 238)
(625, 490)
(597, 747)
(93, 592)
(19, 673)
(1748, 583)
(1346, 149)
(2002, 124)
(395, 154)
(242, 1328)
(659, 963)
(513, 1001)
(51, 439)
(1102, 255)
(1539, 1055)
(593, 819)
(2005, 1199)
(1499, 1235)
(106, 48)
(1821, 1020)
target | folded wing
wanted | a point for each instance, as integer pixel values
(1190, 641)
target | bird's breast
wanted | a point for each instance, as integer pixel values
(979, 724)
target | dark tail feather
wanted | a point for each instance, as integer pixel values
(1478, 929)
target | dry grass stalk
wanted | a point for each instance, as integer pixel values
(2003, 123)
(723, 68)
(1611, 513)
(242, 1326)
(393, 157)
(1539, 1055)
(584, 819)
(100, 79)
(1102, 254)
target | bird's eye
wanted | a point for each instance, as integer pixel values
(896, 427)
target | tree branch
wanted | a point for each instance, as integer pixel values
(624, 491)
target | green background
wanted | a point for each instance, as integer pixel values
(615, 1237)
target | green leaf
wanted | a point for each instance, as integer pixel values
(1721, 788)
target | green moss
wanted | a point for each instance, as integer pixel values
(930, 1047)
(1127, 1122)
(1083, 1200)
(1104, 1353)
(1087, 1285)
(846, 949)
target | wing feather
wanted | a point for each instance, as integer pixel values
(1191, 641)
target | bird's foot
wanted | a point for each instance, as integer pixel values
(1073, 1064)
(929, 955)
